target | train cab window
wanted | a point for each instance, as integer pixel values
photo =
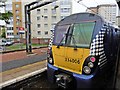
(60, 34)
(82, 34)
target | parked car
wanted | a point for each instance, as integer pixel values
(2, 42)
(5, 42)
(9, 42)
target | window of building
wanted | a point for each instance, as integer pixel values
(9, 28)
(46, 25)
(39, 32)
(17, 28)
(38, 18)
(8, 6)
(17, 17)
(65, 2)
(10, 34)
(17, 6)
(46, 32)
(53, 25)
(65, 10)
(53, 3)
(38, 11)
(38, 25)
(17, 0)
(17, 11)
(45, 10)
(46, 40)
(17, 22)
(45, 17)
(54, 18)
(53, 11)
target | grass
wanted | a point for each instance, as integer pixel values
(20, 46)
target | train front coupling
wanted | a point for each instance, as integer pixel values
(63, 80)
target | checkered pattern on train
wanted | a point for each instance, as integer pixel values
(97, 46)
(51, 40)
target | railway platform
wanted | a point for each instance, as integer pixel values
(17, 66)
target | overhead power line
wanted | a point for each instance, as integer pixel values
(79, 1)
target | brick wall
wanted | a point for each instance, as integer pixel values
(37, 41)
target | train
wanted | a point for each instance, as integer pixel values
(83, 48)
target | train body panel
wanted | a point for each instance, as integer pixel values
(64, 59)
(83, 48)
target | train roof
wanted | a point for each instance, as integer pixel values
(80, 18)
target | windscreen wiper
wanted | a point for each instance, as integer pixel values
(61, 41)
(74, 41)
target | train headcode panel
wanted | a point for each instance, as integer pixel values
(82, 50)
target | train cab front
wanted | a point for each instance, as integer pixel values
(68, 74)
(69, 58)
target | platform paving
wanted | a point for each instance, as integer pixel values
(16, 66)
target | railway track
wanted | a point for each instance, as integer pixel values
(37, 81)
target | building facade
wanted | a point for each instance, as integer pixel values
(9, 27)
(43, 19)
(92, 10)
(107, 11)
(118, 21)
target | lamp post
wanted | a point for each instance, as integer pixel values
(28, 10)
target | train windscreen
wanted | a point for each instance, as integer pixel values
(60, 34)
(82, 34)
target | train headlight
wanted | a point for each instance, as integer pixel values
(90, 64)
(50, 56)
(50, 60)
(87, 70)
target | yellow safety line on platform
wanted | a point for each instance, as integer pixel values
(23, 67)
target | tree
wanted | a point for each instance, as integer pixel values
(6, 16)
(3, 35)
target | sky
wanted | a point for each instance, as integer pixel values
(89, 3)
